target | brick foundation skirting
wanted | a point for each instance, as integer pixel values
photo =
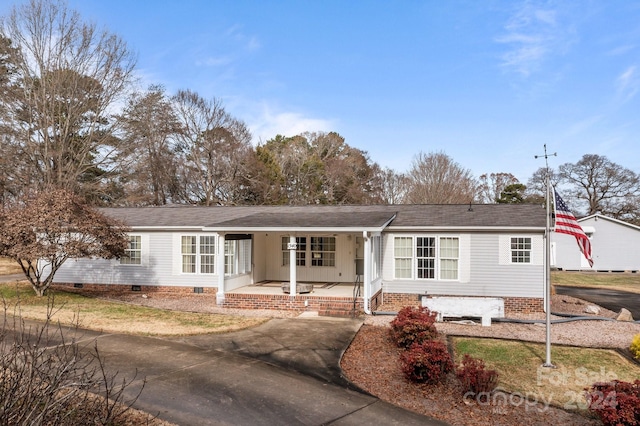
(128, 288)
(512, 305)
(302, 302)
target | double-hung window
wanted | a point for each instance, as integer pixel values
(449, 255)
(426, 257)
(520, 249)
(189, 255)
(403, 256)
(198, 254)
(207, 254)
(133, 253)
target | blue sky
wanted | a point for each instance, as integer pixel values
(487, 82)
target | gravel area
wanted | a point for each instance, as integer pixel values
(594, 333)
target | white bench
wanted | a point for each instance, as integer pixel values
(451, 306)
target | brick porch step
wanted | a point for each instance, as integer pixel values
(338, 309)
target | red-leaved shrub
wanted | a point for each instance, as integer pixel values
(475, 378)
(615, 403)
(426, 362)
(413, 325)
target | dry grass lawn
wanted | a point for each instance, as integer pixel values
(519, 365)
(625, 281)
(114, 317)
(8, 266)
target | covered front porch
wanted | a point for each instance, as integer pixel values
(308, 261)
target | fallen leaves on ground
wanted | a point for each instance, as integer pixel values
(372, 363)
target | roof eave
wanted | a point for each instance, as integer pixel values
(469, 228)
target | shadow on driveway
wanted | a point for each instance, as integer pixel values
(614, 300)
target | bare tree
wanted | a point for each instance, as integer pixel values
(536, 188)
(603, 186)
(216, 148)
(393, 186)
(436, 179)
(52, 225)
(148, 159)
(70, 75)
(492, 185)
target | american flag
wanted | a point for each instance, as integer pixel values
(565, 223)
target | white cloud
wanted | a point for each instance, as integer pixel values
(270, 123)
(533, 34)
(628, 83)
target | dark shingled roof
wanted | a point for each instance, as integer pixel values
(313, 216)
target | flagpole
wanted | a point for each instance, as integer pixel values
(547, 266)
(547, 276)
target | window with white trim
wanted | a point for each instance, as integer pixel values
(403, 256)
(301, 251)
(449, 258)
(230, 265)
(520, 249)
(198, 254)
(207, 254)
(133, 253)
(188, 251)
(426, 257)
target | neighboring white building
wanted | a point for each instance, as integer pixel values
(615, 246)
(400, 252)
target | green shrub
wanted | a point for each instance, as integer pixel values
(413, 325)
(635, 346)
(426, 362)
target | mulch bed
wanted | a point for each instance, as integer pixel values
(372, 363)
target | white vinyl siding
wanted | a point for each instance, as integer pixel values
(484, 268)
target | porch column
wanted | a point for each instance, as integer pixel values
(366, 278)
(220, 269)
(292, 246)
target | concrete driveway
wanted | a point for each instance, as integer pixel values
(613, 300)
(284, 372)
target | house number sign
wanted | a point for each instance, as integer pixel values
(292, 246)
